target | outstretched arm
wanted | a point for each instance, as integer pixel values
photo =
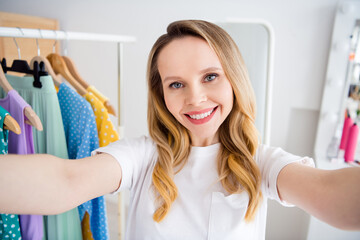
(45, 184)
(332, 196)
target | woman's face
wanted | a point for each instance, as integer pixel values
(196, 90)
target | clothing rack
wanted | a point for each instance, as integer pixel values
(63, 35)
(82, 36)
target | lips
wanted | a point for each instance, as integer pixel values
(201, 117)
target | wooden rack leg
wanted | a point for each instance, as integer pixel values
(121, 218)
(121, 204)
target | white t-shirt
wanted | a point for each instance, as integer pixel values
(203, 209)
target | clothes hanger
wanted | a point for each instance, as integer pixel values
(22, 66)
(73, 70)
(4, 83)
(56, 78)
(12, 125)
(32, 118)
(110, 108)
(59, 66)
(40, 59)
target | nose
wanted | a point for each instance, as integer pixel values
(195, 95)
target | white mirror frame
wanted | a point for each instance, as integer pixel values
(265, 136)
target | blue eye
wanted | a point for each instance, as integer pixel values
(176, 85)
(210, 77)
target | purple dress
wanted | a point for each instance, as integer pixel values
(31, 226)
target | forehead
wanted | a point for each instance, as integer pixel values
(186, 54)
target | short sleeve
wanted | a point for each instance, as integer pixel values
(99, 95)
(271, 161)
(134, 157)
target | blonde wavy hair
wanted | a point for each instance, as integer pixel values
(238, 136)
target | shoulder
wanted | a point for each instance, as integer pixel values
(135, 157)
(140, 147)
(268, 154)
(15, 97)
(271, 160)
(138, 142)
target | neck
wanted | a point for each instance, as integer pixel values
(203, 142)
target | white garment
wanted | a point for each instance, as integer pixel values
(203, 209)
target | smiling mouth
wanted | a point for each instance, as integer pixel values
(203, 117)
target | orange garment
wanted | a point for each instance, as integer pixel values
(85, 227)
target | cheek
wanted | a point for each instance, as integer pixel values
(227, 95)
(170, 103)
(231, 98)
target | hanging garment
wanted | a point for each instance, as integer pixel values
(52, 141)
(97, 94)
(15, 105)
(85, 227)
(102, 99)
(4, 134)
(82, 138)
(31, 226)
(106, 130)
(105, 127)
(45, 103)
(9, 223)
(79, 123)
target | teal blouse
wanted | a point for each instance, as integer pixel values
(9, 223)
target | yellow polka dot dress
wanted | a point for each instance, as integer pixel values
(107, 132)
(97, 94)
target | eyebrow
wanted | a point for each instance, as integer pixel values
(209, 69)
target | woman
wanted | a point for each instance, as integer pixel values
(202, 173)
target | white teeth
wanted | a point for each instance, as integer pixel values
(201, 116)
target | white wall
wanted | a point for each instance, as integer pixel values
(302, 31)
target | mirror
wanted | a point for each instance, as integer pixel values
(341, 95)
(341, 89)
(255, 40)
